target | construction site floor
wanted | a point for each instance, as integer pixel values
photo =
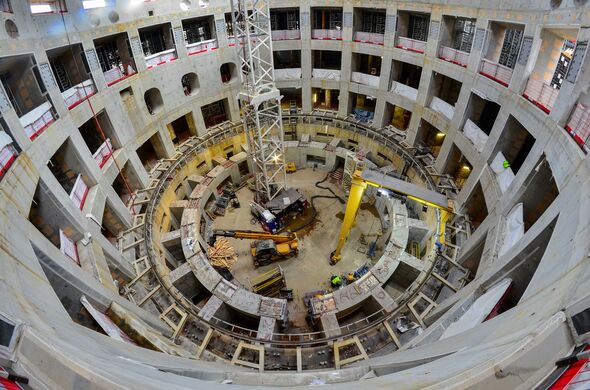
(310, 270)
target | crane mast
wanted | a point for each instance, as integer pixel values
(259, 98)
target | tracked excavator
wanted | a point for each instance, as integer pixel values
(266, 248)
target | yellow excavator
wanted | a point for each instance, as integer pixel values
(361, 179)
(267, 248)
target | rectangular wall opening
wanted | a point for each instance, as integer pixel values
(397, 116)
(125, 187)
(482, 112)
(151, 151)
(326, 99)
(215, 113)
(458, 167)
(475, 207)
(67, 167)
(369, 25)
(445, 93)
(412, 31)
(429, 137)
(286, 59)
(291, 98)
(115, 57)
(362, 107)
(112, 225)
(157, 44)
(326, 23)
(541, 191)
(515, 143)
(326, 59)
(182, 128)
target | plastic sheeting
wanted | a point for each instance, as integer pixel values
(366, 79)
(288, 74)
(479, 310)
(475, 135)
(330, 74)
(442, 107)
(106, 323)
(404, 90)
(34, 114)
(514, 228)
(503, 175)
(5, 139)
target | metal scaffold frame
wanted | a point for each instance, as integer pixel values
(259, 97)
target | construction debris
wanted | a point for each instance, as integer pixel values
(222, 254)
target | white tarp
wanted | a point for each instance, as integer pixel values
(288, 74)
(514, 228)
(330, 74)
(503, 175)
(475, 135)
(442, 107)
(34, 114)
(5, 139)
(479, 310)
(106, 323)
(366, 79)
(404, 90)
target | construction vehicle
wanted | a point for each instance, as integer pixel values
(361, 179)
(267, 247)
(290, 167)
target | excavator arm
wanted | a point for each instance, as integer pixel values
(254, 235)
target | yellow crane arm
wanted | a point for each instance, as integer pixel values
(362, 179)
(254, 235)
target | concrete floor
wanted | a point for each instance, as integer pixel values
(310, 270)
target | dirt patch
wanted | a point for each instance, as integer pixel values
(370, 208)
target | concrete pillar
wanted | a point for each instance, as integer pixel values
(305, 25)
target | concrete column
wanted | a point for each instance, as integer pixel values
(305, 25)
(434, 34)
(477, 52)
(521, 72)
(92, 260)
(220, 34)
(180, 44)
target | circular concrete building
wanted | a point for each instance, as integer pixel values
(205, 194)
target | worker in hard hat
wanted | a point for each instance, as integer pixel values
(336, 281)
(350, 277)
(506, 164)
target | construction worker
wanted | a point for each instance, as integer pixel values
(336, 281)
(506, 164)
(350, 277)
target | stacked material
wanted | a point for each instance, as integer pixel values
(222, 254)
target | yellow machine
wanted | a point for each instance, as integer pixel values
(290, 167)
(267, 248)
(362, 179)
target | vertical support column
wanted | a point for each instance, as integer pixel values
(305, 25)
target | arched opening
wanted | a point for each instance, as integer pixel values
(190, 84)
(229, 72)
(153, 100)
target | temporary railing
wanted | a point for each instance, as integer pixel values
(37, 120)
(202, 47)
(68, 247)
(499, 73)
(7, 156)
(253, 39)
(103, 153)
(78, 93)
(327, 34)
(366, 37)
(366, 79)
(541, 94)
(579, 126)
(285, 35)
(160, 58)
(118, 73)
(288, 74)
(455, 56)
(404, 90)
(411, 44)
(79, 192)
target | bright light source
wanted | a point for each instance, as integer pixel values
(315, 97)
(89, 4)
(466, 167)
(41, 8)
(440, 134)
(275, 158)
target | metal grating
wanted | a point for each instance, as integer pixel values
(178, 35)
(347, 19)
(390, 23)
(92, 59)
(479, 37)
(304, 19)
(220, 27)
(434, 29)
(525, 52)
(135, 46)
(510, 48)
(576, 63)
(4, 103)
(46, 75)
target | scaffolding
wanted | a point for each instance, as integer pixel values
(259, 97)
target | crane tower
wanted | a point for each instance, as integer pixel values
(259, 98)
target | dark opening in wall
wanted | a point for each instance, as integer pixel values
(156, 39)
(182, 128)
(515, 143)
(112, 225)
(457, 33)
(369, 20)
(397, 117)
(198, 29)
(228, 72)
(125, 187)
(475, 206)
(63, 284)
(482, 112)
(46, 214)
(323, 18)
(291, 98)
(445, 93)
(151, 151)
(413, 25)
(286, 59)
(457, 167)
(430, 137)
(405, 73)
(326, 59)
(362, 106)
(472, 259)
(540, 190)
(190, 84)
(326, 99)
(403, 276)
(99, 147)
(115, 57)
(66, 166)
(153, 101)
(522, 267)
(215, 113)
(284, 19)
